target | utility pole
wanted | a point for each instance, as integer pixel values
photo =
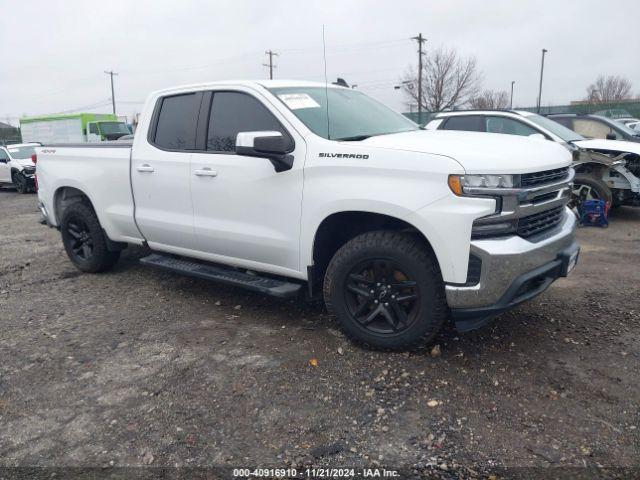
(111, 73)
(544, 50)
(420, 39)
(511, 103)
(270, 64)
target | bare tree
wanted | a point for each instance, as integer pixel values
(609, 89)
(448, 81)
(490, 100)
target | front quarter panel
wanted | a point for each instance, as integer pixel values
(341, 177)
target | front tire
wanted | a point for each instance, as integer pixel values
(386, 290)
(21, 183)
(586, 187)
(84, 240)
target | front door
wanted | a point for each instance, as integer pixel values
(160, 174)
(244, 209)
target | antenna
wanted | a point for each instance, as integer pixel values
(326, 82)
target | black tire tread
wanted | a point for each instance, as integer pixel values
(103, 258)
(415, 247)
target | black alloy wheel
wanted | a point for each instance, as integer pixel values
(381, 297)
(81, 240)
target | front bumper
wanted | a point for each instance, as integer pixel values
(513, 270)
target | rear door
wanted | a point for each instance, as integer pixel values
(161, 172)
(243, 208)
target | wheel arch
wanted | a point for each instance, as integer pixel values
(65, 195)
(338, 228)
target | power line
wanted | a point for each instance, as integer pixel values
(271, 54)
(111, 73)
(420, 39)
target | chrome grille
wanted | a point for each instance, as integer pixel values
(546, 176)
(540, 222)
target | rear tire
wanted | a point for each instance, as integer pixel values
(386, 290)
(84, 239)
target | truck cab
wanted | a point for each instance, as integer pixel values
(100, 131)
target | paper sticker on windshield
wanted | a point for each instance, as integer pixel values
(296, 101)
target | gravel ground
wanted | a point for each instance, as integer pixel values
(139, 367)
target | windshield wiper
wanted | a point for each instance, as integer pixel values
(355, 138)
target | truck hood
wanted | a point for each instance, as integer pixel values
(609, 145)
(480, 152)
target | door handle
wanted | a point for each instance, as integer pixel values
(145, 168)
(206, 172)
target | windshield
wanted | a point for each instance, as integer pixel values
(109, 128)
(554, 127)
(352, 115)
(21, 153)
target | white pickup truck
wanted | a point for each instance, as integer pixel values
(287, 187)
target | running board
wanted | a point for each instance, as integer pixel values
(229, 276)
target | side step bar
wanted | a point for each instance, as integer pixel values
(229, 276)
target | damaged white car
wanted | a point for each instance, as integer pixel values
(608, 170)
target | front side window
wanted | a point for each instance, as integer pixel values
(508, 126)
(176, 127)
(93, 128)
(235, 112)
(468, 123)
(349, 115)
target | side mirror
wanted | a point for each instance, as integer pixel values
(270, 144)
(611, 136)
(538, 136)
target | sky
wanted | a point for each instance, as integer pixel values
(54, 53)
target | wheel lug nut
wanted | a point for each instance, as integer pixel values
(372, 291)
(377, 284)
(386, 304)
(375, 301)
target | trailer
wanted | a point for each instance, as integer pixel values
(73, 128)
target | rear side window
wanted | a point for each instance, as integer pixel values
(176, 127)
(470, 123)
(234, 112)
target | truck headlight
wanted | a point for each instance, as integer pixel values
(457, 183)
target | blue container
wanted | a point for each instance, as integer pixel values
(594, 213)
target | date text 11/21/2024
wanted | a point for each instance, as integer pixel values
(314, 473)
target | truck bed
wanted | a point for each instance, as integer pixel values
(102, 172)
